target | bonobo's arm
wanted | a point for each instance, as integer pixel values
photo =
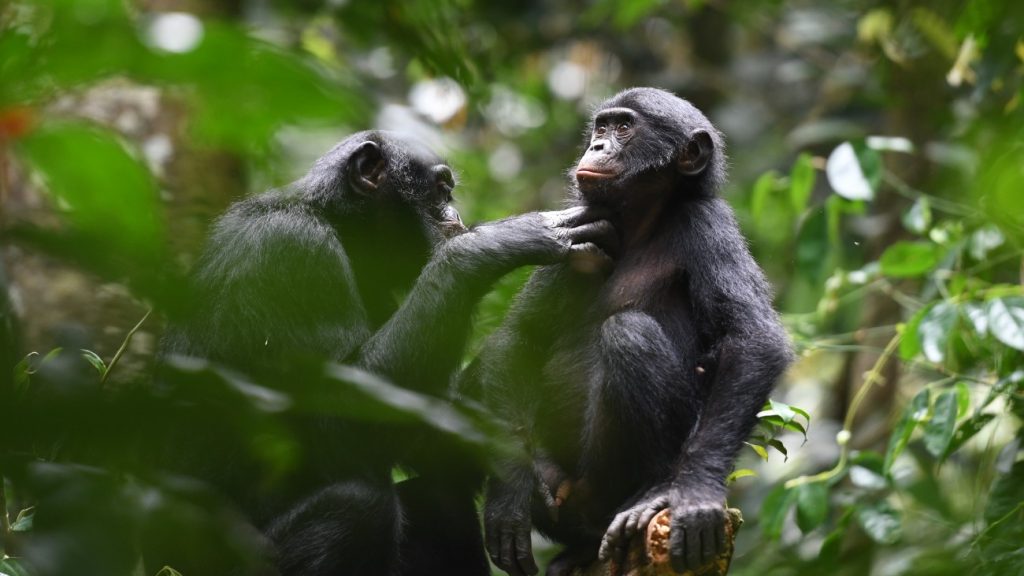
(505, 374)
(732, 304)
(421, 344)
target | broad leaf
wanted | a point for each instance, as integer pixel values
(1006, 321)
(919, 217)
(881, 522)
(801, 183)
(774, 510)
(938, 432)
(811, 505)
(935, 330)
(910, 259)
(854, 172)
(916, 411)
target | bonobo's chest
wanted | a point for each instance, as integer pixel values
(640, 282)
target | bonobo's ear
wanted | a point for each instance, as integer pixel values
(366, 166)
(696, 154)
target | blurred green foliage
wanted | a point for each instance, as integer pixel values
(878, 169)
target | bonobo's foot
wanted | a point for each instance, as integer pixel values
(570, 559)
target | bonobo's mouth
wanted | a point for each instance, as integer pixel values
(592, 174)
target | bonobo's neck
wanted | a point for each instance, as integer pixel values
(638, 217)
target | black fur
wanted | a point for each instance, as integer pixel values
(636, 390)
(317, 269)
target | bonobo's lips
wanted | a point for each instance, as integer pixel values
(588, 173)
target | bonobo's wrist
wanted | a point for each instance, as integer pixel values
(480, 256)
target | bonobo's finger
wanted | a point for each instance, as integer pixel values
(588, 258)
(493, 538)
(708, 546)
(524, 554)
(677, 547)
(720, 536)
(612, 537)
(568, 217)
(508, 560)
(693, 545)
(600, 232)
(645, 518)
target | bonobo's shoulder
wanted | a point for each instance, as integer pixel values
(276, 216)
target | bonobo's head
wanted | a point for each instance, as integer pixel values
(649, 141)
(388, 182)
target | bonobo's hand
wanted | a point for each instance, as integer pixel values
(579, 234)
(507, 525)
(698, 525)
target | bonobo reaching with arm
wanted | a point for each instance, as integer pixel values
(636, 390)
(317, 268)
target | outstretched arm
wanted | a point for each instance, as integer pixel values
(422, 343)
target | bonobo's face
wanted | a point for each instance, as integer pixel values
(402, 173)
(605, 162)
(645, 142)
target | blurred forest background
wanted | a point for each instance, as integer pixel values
(877, 167)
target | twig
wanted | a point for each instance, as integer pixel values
(124, 346)
(843, 437)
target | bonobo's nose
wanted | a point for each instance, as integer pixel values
(597, 146)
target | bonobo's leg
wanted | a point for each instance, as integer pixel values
(640, 408)
(348, 528)
(441, 531)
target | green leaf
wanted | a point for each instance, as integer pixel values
(1006, 320)
(168, 571)
(741, 473)
(12, 567)
(759, 449)
(864, 477)
(763, 187)
(984, 240)
(778, 445)
(24, 521)
(935, 331)
(910, 343)
(783, 410)
(854, 171)
(938, 432)
(963, 399)
(94, 360)
(111, 198)
(968, 429)
(919, 218)
(910, 259)
(916, 411)
(801, 182)
(774, 510)
(811, 505)
(881, 522)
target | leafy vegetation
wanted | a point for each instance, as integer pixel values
(878, 169)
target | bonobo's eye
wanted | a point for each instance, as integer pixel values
(622, 129)
(600, 130)
(445, 181)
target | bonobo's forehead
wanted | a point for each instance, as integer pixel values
(617, 113)
(657, 104)
(404, 145)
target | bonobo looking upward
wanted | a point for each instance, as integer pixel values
(636, 390)
(316, 269)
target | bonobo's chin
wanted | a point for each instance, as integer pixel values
(596, 189)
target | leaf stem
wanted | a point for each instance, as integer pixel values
(872, 377)
(124, 346)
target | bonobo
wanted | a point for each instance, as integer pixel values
(633, 391)
(318, 267)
